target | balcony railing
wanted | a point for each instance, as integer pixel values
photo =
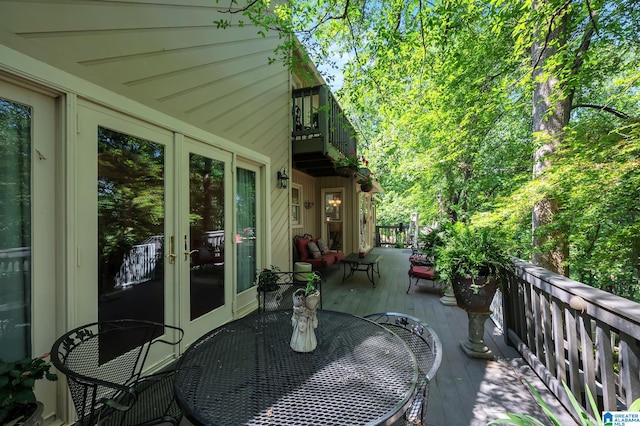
(317, 116)
(573, 333)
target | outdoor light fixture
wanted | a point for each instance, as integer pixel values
(308, 204)
(283, 179)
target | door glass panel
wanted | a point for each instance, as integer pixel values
(206, 226)
(246, 220)
(15, 230)
(131, 215)
(333, 219)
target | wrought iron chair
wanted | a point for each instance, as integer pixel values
(427, 348)
(276, 288)
(109, 387)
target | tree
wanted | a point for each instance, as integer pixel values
(475, 109)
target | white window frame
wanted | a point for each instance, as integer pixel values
(299, 222)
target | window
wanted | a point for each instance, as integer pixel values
(296, 204)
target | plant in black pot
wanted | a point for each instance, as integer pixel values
(18, 404)
(474, 262)
(268, 279)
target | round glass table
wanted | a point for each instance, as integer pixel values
(245, 373)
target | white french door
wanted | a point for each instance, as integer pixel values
(124, 220)
(29, 249)
(159, 221)
(204, 244)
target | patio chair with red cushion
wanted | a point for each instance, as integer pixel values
(422, 272)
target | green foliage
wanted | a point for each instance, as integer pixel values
(267, 279)
(585, 419)
(17, 381)
(471, 252)
(351, 160)
(441, 96)
(312, 280)
(431, 242)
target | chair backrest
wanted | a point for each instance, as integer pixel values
(96, 364)
(276, 288)
(421, 339)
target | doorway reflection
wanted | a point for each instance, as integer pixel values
(207, 234)
(333, 219)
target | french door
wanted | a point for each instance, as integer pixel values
(157, 219)
(205, 240)
(29, 249)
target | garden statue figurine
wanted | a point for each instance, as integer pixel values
(304, 319)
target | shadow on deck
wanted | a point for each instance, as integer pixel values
(466, 391)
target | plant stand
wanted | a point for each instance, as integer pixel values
(474, 347)
(449, 298)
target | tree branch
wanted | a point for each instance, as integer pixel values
(604, 108)
(554, 15)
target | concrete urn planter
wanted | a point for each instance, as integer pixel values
(475, 296)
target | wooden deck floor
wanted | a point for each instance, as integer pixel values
(466, 391)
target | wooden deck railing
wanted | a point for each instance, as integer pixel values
(573, 333)
(316, 114)
(390, 235)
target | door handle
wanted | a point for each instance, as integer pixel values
(171, 255)
(187, 252)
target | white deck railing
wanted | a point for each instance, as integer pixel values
(139, 265)
(15, 260)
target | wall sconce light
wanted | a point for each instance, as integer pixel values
(308, 204)
(283, 179)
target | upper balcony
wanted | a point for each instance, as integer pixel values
(320, 131)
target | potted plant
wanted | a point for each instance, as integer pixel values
(18, 404)
(366, 182)
(347, 166)
(268, 279)
(474, 262)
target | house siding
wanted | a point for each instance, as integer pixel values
(165, 64)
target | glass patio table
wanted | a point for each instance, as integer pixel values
(245, 373)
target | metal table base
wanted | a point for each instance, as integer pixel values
(368, 264)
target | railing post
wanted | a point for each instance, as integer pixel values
(508, 304)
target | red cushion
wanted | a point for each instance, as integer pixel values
(339, 256)
(317, 263)
(301, 246)
(423, 272)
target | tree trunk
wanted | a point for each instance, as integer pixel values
(551, 111)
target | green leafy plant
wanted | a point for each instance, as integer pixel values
(312, 279)
(351, 160)
(429, 243)
(367, 180)
(268, 278)
(471, 253)
(17, 381)
(522, 419)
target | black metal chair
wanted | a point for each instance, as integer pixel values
(104, 363)
(427, 348)
(276, 288)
